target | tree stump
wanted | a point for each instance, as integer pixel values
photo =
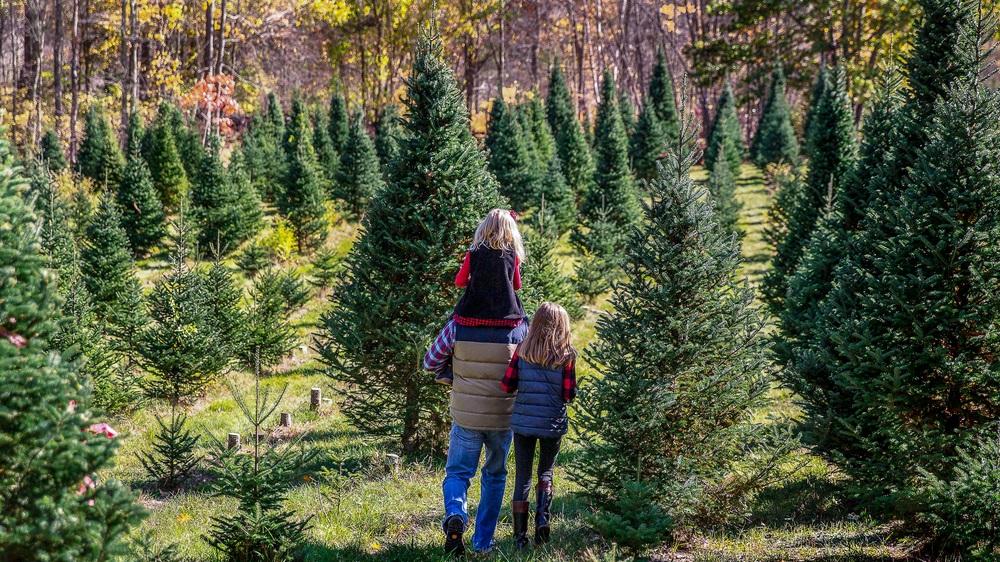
(233, 441)
(315, 398)
(286, 419)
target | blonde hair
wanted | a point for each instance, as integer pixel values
(548, 341)
(499, 231)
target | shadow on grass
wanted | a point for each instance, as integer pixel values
(391, 553)
(811, 499)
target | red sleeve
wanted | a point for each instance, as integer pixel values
(509, 381)
(462, 279)
(517, 273)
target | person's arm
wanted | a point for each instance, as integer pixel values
(509, 382)
(569, 381)
(440, 351)
(462, 278)
(517, 273)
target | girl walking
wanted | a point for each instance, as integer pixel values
(543, 373)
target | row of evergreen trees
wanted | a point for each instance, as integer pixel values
(885, 285)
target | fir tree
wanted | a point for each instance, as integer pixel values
(338, 120)
(775, 139)
(556, 201)
(832, 154)
(415, 230)
(661, 95)
(627, 109)
(109, 271)
(722, 188)
(55, 506)
(360, 175)
(540, 274)
(51, 152)
(545, 144)
(600, 257)
(725, 132)
(387, 131)
(268, 335)
(164, 159)
(187, 141)
(142, 211)
(99, 157)
(261, 528)
(815, 98)
(613, 189)
(302, 199)
(248, 204)
(326, 155)
(275, 117)
(570, 142)
(681, 352)
(225, 211)
(509, 159)
(264, 155)
(647, 144)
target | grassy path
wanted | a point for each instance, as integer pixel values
(363, 509)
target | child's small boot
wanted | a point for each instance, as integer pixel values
(520, 513)
(542, 513)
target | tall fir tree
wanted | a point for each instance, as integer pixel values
(509, 159)
(326, 155)
(187, 140)
(832, 153)
(55, 506)
(338, 119)
(661, 95)
(725, 132)
(681, 352)
(647, 144)
(542, 280)
(614, 188)
(51, 152)
(545, 143)
(99, 157)
(627, 109)
(556, 203)
(722, 188)
(219, 205)
(263, 151)
(775, 138)
(398, 289)
(360, 175)
(570, 142)
(820, 85)
(109, 271)
(275, 115)
(302, 200)
(164, 159)
(387, 131)
(142, 211)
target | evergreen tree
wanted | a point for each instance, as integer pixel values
(556, 199)
(523, 115)
(226, 212)
(109, 271)
(275, 117)
(164, 159)
(263, 153)
(326, 155)
(387, 131)
(302, 199)
(268, 335)
(415, 230)
(187, 141)
(681, 352)
(627, 109)
(725, 132)
(819, 88)
(545, 144)
(570, 142)
(99, 157)
(661, 95)
(142, 211)
(360, 175)
(509, 159)
(540, 274)
(647, 144)
(600, 256)
(55, 507)
(51, 152)
(261, 528)
(248, 204)
(832, 154)
(722, 188)
(613, 189)
(338, 120)
(775, 139)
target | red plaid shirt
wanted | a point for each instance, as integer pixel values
(509, 382)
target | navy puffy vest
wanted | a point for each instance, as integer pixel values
(539, 410)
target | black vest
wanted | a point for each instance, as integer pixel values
(490, 293)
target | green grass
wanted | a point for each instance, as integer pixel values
(362, 509)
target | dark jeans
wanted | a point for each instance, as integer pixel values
(524, 457)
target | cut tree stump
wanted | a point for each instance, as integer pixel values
(286, 419)
(233, 441)
(315, 398)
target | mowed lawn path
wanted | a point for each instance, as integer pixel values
(364, 508)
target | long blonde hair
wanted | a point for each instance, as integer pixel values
(548, 341)
(499, 231)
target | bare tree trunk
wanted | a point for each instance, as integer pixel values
(125, 56)
(535, 39)
(222, 37)
(134, 54)
(500, 53)
(57, 47)
(74, 79)
(209, 58)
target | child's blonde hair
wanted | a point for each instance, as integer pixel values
(499, 231)
(548, 342)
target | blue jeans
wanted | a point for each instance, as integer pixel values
(464, 448)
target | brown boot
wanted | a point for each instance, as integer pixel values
(520, 514)
(542, 513)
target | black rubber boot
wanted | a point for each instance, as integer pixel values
(454, 527)
(520, 513)
(542, 513)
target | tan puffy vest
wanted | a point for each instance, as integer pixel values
(477, 402)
